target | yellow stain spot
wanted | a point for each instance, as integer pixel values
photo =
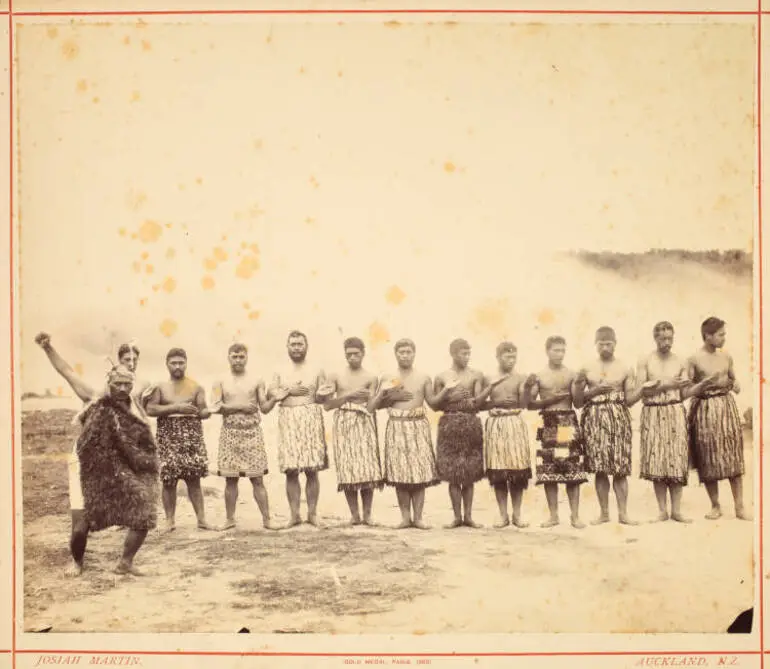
(135, 96)
(244, 245)
(253, 315)
(137, 267)
(314, 182)
(258, 144)
(395, 295)
(169, 285)
(199, 181)
(246, 305)
(392, 24)
(378, 334)
(168, 327)
(78, 368)
(155, 288)
(53, 32)
(210, 264)
(122, 232)
(142, 301)
(254, 248)
(146, 46)
(269, 39)
(109, 290)
(70, 50)
(449, 167)
(491, 317)
(182, 187)
(310, 220)
(169, 225)
(145, 255)
(339, 73)
(170, 252)
(60, 391)
(546, 317)
(207, 282)
(149, 269)
(247, 266)
(95, 100)
(150, 231)
(134, 235)
(126, 40)
(220, 254)
(82, 86)
(314, 273)
(302, 70)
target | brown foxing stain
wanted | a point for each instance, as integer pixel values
(220, 254)
(246, 306)
(491, 317)
(142, 301)
(254, 248)
(314, 182)
(82, 86)
(258, 144)
(170, 252)
(150, 231)
(146, 46)
(169, 225)
(302, 70)
(155, 288)
(169, 285)
(78, 368)
(182, 187)
(254, 315)
(144, 255)
(137, 266)
(207, 282)
(247, 266)
(60, 391)
(168, 327)
(339, 73)
(70, 50)
(392, 24)
(109, 290)
(199, 181)
(309, 220)
(126, 40)
(149, 269)
(378, 334)
(449, 167)
(96, 100)
(394, 295)
(244, 245)
(135, 96)
(546, 317)
(210, 264)
(531, 28)
(450, 24)
(52, 32)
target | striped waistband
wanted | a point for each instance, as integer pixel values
(668, 403)
(711, 395)
(417, 413)
(497, 413)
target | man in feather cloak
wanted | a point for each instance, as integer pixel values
(119, 467)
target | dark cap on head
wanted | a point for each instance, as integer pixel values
(176, 353)
(505, 347)
(458, 345)
(711, 326)
(354, 342)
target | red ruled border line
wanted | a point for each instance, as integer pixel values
(761, 339)
(217, 653)
(227, 12)
(11, 320)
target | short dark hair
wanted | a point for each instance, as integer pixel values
(296, 333)
(553, 340)
(404, 343)
(127, 348)
(176, 353)
(711, 326)
(237, 347)
(354, 342)
(505, 347)
(662, 326)
(458, 345)
(605, 333)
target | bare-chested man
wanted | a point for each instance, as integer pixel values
(561, 456)
(179, 404)
(664, 456)
(600, 389)
(239, 398)
(506, 441)
(356, 452)
(301, 433)
(128, 356)
(460, 439)
(410, 464)
(716, 432)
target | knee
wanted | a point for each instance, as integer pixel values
(257, 483)
(169, 486)
(312, 477)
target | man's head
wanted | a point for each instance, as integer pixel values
(460, 350)
(176, 363)
(663, 333)
(556, 349)
(238, 356)
(128, 355)
(354, 352)
(120, 381)
(606, 342)
(713, 332)
(296, 343)
(405, 351)
(506, 356)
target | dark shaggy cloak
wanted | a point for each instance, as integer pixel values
(118, 467)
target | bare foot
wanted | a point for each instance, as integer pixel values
(404, 524)
(170, 527)
(74, 569)
(521, 524)
(293, 523)
(504, 522)
(578, 524)
(313, 520)
(742, 515)
(270, 525)
(604, 518)
(468, 522)
(662, 517)
(551, 522)
(714, 514)
(369, 522)
(455, 523)
(124, 568)
(420, 525)
(204, 525)
(679, 518)
(625, 520)
(229, 525)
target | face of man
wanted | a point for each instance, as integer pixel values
(556, 353)
(238, 360)
(717, 340)
(461, 357)
(120, 389)
(606, 348)
(297, 347)
(354, 356)
(177, 367)
(405, 357)
(507, 361)
(130, 360)
(664, 340)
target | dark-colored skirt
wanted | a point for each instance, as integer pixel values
(561, 458)
(460, 448)
(716, 437)
(181, 448)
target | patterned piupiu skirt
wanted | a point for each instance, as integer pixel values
(664, 448)
(716, 437)
(302, 439)
(561, 456)
(409, 459)
(460, 445)
(181, 448)
(356, 453)
(606, 427)
(506, 448)
(241, 447)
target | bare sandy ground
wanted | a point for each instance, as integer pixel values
(651, 578)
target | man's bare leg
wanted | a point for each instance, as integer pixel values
(404, 504)
(195, 494)
(169, 505)
(736, 483)
(455, 496)
(517, 496)
(78, 541)
(501, 495)
(293, 494)
(351, 497)
(312, 492)
(418, 504)
(620, 486)
(676, 503)
(573, 495)
(468, 506)
(367, 499)
(231, 499)
(712, 488)
(552, 497)
(661, 495)
(602, 484)
(132, 544)
(260, 497)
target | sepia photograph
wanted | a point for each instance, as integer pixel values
(387, 324)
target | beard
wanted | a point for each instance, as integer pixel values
(298, 356)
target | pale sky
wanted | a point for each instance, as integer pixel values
(187, 184)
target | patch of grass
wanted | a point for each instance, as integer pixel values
(45, 487)
(48, 432)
